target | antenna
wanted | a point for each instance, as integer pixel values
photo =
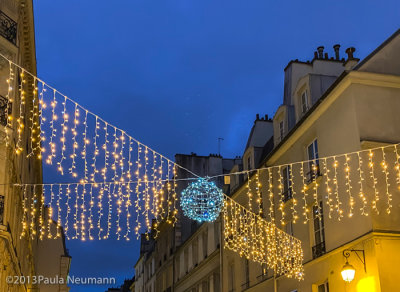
(219, 145)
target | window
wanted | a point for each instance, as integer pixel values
(205, 286)
(246, 283)
(178, 268)
(313, 164)
(195, 250)
(231, 283)
(205, 244)
(264, 273)
(281, 130)
(323, 287)
(186, 260)
(319, 231)
(304, 102)
(287, 184)
(289, 228)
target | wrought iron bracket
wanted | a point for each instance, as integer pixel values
(346, 254)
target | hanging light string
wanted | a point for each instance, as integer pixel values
(329, 199)
(9, 100)
(143, 185)
(304, 191)
(341, 177)
(279, 251)
(348, 184)
(65, 131)
(338, 156)
(294, 195)
(64, 156)
(23, 74)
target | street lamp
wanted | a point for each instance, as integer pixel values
(348, 271)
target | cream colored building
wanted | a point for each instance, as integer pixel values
(185, 256)
(331, 106)
(21, 257)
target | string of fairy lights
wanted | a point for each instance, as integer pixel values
(254, 238)
(121, 185)
(88, 149)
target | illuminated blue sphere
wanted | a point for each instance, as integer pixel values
(202, 201)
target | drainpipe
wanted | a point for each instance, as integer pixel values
(173, 260)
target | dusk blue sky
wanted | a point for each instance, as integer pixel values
(179, 74)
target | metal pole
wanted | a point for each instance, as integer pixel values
(219, 145)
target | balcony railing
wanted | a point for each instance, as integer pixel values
(1, 209)
(313, 174)
(8, 28)
(318, 250)
(3, 110)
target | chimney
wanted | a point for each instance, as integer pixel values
(320, 52)
(349, 52)
(336, 48)
(257, 117)
(266, 117)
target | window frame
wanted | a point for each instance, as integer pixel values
(318, 231)
(313, 161)
(289, 228)
(231, 277)
(287, 184)
(304, 106)
(324, 286)
(281, 128)
(320, 223)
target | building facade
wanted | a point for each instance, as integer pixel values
(330, 106)
(21, 256)
(179, 259)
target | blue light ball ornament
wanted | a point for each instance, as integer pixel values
(202, 200)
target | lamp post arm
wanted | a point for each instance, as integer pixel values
(346, 254)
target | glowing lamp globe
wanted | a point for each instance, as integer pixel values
(348, 272)
(202, 201)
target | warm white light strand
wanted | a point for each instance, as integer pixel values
(361, 183)
(329, 199)
(387, 184)
(348, 185)
(374, 182)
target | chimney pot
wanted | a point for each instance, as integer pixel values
(349, 52)
(326, 56)
(257, 117)
(336, 49)
(316, 55)
(320, 50)
(266, 117)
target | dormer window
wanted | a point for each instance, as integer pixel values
(281, 130)
(304, 102)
